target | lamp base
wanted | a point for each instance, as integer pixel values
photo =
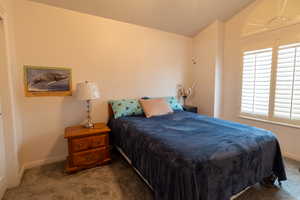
(89, 124)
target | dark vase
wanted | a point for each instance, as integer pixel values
(184, 99)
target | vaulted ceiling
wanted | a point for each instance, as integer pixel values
(185, 17)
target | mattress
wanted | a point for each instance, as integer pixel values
(186, 156)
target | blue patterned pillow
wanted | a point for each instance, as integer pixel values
(126, 107)
(173, 102)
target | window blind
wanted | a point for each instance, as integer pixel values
(257, 66)
(287, 93)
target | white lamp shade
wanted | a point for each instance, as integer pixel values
(87, 91)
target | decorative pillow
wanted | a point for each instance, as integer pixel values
(155, 107)
(173, 102)
(125, 107)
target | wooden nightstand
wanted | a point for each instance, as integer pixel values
(88, 147)
(187, 108)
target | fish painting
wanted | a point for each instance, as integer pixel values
(45, 79)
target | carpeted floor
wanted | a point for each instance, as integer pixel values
(118, 181)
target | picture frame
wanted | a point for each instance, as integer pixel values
(47, 81)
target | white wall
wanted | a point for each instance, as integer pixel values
(3, 81)
(11, 121)
(207, 51)
(219, 59)
(288, 137)
(125, 60)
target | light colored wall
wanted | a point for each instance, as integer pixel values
(219, 59)
(2, 105)
(125, 60)
(207, 51)
(11, 121)
(288, 137)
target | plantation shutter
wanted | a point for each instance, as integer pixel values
(287, 94)
(257, 67)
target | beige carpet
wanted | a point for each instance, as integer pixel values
(118, 181)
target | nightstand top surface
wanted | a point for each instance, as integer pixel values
(77, 131)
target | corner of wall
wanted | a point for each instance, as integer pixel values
(219, 69)
(207, 50)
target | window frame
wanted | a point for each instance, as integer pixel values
(270, 118)
(244, 114)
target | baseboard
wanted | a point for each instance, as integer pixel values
(38, 163)
(291, 156)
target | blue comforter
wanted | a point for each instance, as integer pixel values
(185, 156)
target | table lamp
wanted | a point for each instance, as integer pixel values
(87, 91)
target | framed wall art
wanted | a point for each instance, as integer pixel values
(47, 81)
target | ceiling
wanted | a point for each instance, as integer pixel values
(270, 15)
(185, 17)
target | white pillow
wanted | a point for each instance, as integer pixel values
(155, 107)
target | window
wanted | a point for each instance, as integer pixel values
(256, 82)
(271, 84)
(287, 94)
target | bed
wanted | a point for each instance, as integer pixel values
(186, 156)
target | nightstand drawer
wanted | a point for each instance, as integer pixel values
(99, 141)
(80, 144)
(90, 157)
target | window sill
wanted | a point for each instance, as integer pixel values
(270, 122)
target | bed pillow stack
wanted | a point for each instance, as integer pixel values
(150, 106)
